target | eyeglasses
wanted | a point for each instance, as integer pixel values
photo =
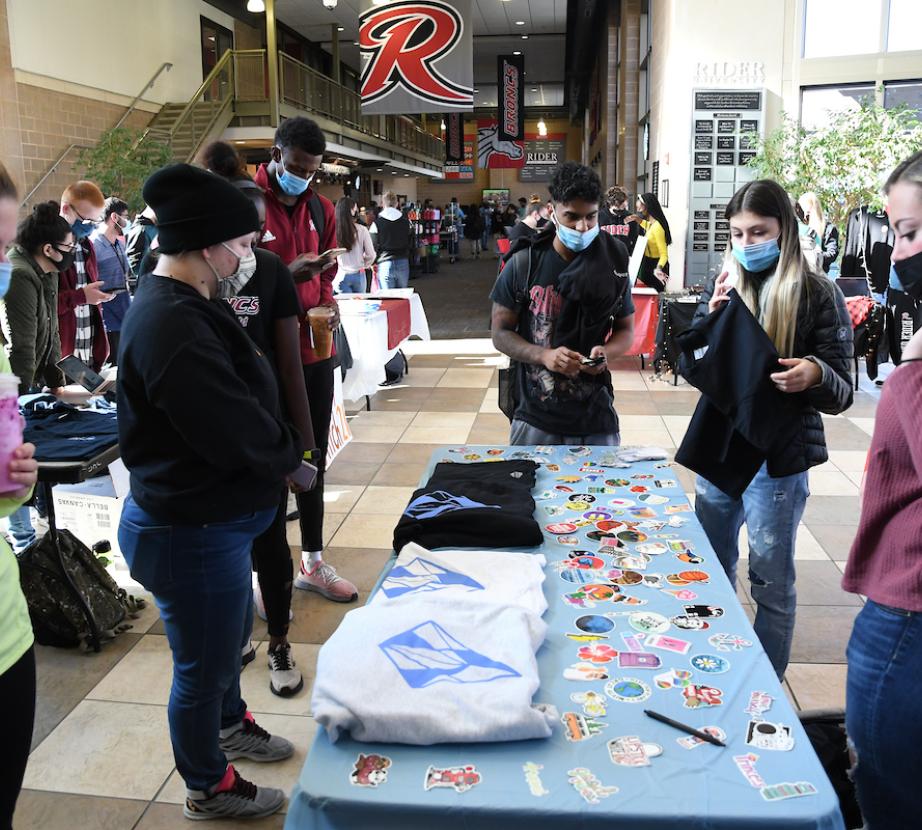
(84, 219)
(68, 249)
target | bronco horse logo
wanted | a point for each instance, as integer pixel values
(490, 145)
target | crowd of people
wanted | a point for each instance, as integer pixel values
(208, 301)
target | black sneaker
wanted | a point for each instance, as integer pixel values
(243, 800)
(247, 654)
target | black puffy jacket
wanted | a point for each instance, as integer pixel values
(823, 335)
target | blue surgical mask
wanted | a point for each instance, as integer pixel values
(81, 229)
(759, 256)
(290, 183)
(575, 240)
(6, 271)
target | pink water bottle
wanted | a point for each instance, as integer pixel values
(10, 429)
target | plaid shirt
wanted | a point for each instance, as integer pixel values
(83, 343)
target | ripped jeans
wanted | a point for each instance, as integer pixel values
(772, 509)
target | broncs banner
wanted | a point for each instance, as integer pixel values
(417, 56)
(510, 75)
(454, 138)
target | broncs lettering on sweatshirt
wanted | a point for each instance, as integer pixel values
(244, 307)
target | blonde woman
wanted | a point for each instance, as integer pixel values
(806, 318)
(825, 233)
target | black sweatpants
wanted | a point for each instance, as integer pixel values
(318, 378)
(272, 561)
(17, 702)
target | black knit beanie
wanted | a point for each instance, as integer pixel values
(196, 209)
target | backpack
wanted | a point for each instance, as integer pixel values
(395, 369)
(72, 599)
(317, 217)
(826, 731)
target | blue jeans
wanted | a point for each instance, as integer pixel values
(771, 508)
(485, 239)
(882, 714)
(19, 527)
(353, 283)
(522, 434)
(200, 577)
(394, 273)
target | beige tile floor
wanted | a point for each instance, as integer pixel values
(101, 754)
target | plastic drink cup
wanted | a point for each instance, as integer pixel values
(319, 319)
(10, 429)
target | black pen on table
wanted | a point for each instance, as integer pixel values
(704, 736)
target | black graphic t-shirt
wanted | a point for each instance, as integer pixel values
(269, 295)
(549, 401)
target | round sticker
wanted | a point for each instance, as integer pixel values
(631, 537)
(576, 505)
(600, 593)
(690, 623)
(638, 488)
(629, 578)
(675, 579)
(560, 528)
(621, 503)
(652, 750)
(582, 522)
(583, 497)
(568, 540)
(710, 663)
(597, 516)
(628, 690)
(575, 554)
(695, 576)
(631, 561)
(587, 562)
(607, 525)
(594, 624)
(652, 549)
(569, 479)
(495, 452)
(617, 482)
(649, 622)
(579, 576)
(564, 488)
(472, 457)
(652, 498)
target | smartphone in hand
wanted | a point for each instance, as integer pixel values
(304, 476)
(593, 361)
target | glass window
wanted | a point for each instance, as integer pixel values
(904, 92)
(816, 103)
(905, 28)
(842, 27)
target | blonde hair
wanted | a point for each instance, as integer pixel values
(810, 204)
(389, 198)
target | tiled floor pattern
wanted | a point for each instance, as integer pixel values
(102, 755)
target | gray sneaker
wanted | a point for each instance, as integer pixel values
(242, 800)
(251, 741)
(284, 678)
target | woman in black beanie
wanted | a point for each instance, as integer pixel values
(200, 433)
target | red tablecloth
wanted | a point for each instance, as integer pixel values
(398, 321)
(646, 318)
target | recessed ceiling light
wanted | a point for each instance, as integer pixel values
(524, 37)
(340, 28)
(517, 52)
(519, 22)
(380, 169)
(534, 89)
(355, 43)
(476, 90)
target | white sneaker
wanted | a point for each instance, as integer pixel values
(284, 678)
(325, 581)
(261, 606)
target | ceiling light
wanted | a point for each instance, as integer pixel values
(340, 28)
(257, 6)
(519, 22)
(476, 90)
(442, 125)
(517, 52)
(542, 128)
(534, 89)
(524, 37)
(380, 169)
(329, 4)
(378, 2)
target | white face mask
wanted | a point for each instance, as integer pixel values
(231, 286)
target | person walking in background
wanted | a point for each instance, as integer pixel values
(613, 217)
(486, 239)
(138, 240)
(391, 233)
(352, 235)
(805, 317)
(825, 234)
(80, 293)
(455, 217)
(473, 230)
(522, 209)
(654, 269)
(114, 270)
(536, 216)
(885, 564)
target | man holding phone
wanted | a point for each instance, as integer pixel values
(301, 229)
(562, 310)
(114, 270)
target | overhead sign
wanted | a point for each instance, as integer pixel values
(493, 152)
(464, 170)
(454, 137)
(417, 56)
(510, 71)
(543, 155)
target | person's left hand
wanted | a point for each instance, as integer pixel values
(597, 351)
(334, 319)
(23, 470)
(802, 374)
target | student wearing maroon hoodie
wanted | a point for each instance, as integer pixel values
(885, 563)
(300, 225)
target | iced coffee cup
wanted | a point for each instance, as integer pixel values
(10, 429)
(319, 319)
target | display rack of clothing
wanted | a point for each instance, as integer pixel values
(868, 247)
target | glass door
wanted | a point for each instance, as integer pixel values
(216, 40)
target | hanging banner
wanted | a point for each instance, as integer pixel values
(510, 74)
(493, 152)
(454, 137)
(417, 56)
(543, 155)
(463, 170)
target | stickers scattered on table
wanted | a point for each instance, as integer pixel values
(631, 561)
(759, 704)
(703, 611)
(631, 751)
(629, 578)
(652, 498)
(779, 792)
(460, 779)
(622, 504)
(692, 741)
(729, 642)
(582, 637)
(710, 663)
(561, 528)
(628, 690)
(638, 660)
(672, 509)
(588, 786)
(689, 623)
(690, 558)
(594, 704)
(617, 482)
(370, 770)
(702, 697)
(648, 622)
(533, 779)
(772, 736)
(746, 764)
(685, 595)
(568, 540)
(597, 653)
(595, 624)
(634, 642)
(597, 515)
(578, 727)
(585, 673)
(554, 510)
(667, 644)
(577, 505)
(673, 679)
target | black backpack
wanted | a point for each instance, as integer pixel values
(72, 599)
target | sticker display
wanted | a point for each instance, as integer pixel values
(779, 792)
(594, 704)
(594, 624)
(631, 751)
(597, 653)
(673, 679)
(771, 736)
(759, 704)
(561, 527)
(628, 690)
(638, 660)
(729, 642)
(460, 779)
(692, 741)
(746, 764)
(585, 673)
(370, 770)
(710, 663)
(577, 727)
(702, 697)
(589, 787)
(667, 644)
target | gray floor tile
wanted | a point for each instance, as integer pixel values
(821, 633)
(836, 539)
(64, 811)
(829, 510)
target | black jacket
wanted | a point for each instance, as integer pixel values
(392, 238)
(830, 246)
(613, 222)
(868, 246)
(823, 334)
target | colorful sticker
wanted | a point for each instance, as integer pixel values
(642, 477)
(597, 515)
(652, 498)
(672, 509)
(639, 488)
(569, 480)
(578, 600)
(634, 642)
(729, 642)
(665, 483)
(652, 549)
(600, 593)
(577, 575)
(564, 488)
(533, 778)
(588, 786)
(594, 704)
(594, 624)
(690, 558)
(598, 536)
(552, 468)
(637, 562)
(673, 679)
(628, 690)
(702, 697)
(370, 770)
(585, 673)
(771, 736)
(629, 600)
(583, 497)
(630, 751)
(544, 495)
(759, 704)
(495, 452)
(653, 580)
(629, 578)
(746, 764)
(597, 653)
(638, 660)
(568, 540)
(642, 513)
(472, 457)
(703, 611)
(692, 741)
(648, 622)
(680, 545)
(554, 510)
(460, 779)
(577, 727)
(577, 505)
(609, 525)
(561, 527)
(586, 562)
(779, 792)
(617, 482)
(544, 450)
(582, 637)
(700, 577)
(675, 579)
(684, 595)
(689, 623)
(667, 644)
(710, 663)
(622, 504)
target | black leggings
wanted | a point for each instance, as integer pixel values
(17, 702)
(272, 561)
(647, 274)
(318, 378)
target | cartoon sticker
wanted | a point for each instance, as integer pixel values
(642, 513)
(684, 595)
(617, 482)
(759, 704)
(460, 779)
(638, 660)
(629, 578)
(597, 653)
(594, 704)
(648, 622)
(779, 792)
(691, 741)
(628, 690)
(597, 515)
(690, 558)
(710, 663)
(746, 764)
(673, 679)
(695, 576)
(370, 770)
(639, 488)
(630, 751)
(672, 509)
(495, 452)
(772, 736)
(703, 611)
(582, 637)
(533, 778)
(585, 672)
(652, 549)
(689, 623)
(577, 727)
(583, 497)
(702, 697)
(561, 528)
(589, 787)
(629, 561)
(594, 624)
(577, 505)
(472, 457)
(667, 643)
(729, 642)
(552, 468)
(652, 498)
(568, 540)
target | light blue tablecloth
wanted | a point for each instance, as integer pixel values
(681, 788)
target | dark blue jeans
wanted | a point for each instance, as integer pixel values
(201, 579)
(883, 714)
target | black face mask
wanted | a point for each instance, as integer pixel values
(67, 259)
(909, 273)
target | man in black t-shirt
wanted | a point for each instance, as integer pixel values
(613, 217)
(562, 310)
